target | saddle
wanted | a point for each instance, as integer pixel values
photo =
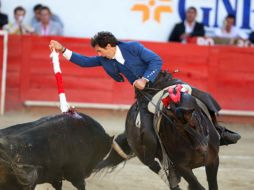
(156, 100)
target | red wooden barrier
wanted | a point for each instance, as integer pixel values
(225, 72)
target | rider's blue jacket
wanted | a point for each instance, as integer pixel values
(139, 62)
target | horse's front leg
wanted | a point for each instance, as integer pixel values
(156, 168)
(189, 176)
(211, 173)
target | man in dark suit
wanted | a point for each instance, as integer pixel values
(188, 28)
(3, 18)
(251, 37)
(140, 66)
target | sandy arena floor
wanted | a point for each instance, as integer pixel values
(236, 171)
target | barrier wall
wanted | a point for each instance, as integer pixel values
(225, 72)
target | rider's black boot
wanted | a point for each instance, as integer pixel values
(227, 136)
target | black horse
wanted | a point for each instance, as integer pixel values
(188, 137)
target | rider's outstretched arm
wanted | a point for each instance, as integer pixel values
(83, 61)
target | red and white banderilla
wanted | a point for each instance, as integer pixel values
(64, 106)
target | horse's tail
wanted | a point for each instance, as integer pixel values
(119, 153)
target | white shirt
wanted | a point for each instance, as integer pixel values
(67, 54)
(189, 28)
(118, 56)
(44, 31)
(234, 33)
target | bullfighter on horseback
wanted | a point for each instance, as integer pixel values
(142, 68)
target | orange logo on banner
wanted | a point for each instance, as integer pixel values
(158, 10)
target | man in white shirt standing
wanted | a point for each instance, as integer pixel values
(46, 26)
(37, 16)
(229, 30)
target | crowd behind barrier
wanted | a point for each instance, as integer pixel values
(224, 71)
(46, 23)
(43, 23)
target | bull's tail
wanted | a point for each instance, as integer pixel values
(119, 152)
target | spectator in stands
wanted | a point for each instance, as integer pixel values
(46, 26)
(18, 27)
(57, 19)
(37, 13)
(36, 17)
(189, 28)
(228, 30)
(251, 37)
(3, 18)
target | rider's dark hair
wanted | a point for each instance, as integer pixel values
(102, 39)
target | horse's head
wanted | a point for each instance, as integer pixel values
(187, 116)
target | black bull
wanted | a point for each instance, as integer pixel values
(65, 146)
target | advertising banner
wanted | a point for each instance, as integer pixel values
(150, 20)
